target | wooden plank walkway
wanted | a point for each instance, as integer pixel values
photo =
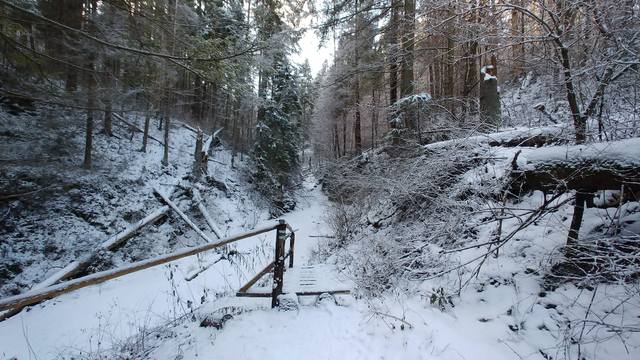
(306, 280)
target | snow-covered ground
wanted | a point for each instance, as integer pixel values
(99, 319)
(499, 317)
(65, 212)
(94, 320)
(507, 311)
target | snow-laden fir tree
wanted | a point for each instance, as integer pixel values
(278, 139)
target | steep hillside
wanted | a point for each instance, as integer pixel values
(53, 211)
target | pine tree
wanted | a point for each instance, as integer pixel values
(278, 140)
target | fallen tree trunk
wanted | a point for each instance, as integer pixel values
(183, 216)
(534, 140)
(534, 137)
(110, 244)
(79, 265)
(588, 168)
(198, 199)
(588, 177)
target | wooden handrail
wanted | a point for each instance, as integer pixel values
(259, 276)
(32, 297)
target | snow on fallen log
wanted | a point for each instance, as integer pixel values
(589, 167)
(117, 239)
(82, 263)
(110, 244)
(533, 137)
(197, 198)
(203, 209)
(183, 216)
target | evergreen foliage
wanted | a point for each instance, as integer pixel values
(279, 139)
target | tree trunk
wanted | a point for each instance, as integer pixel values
(579, 121)
(517, 47)
(374, 118)
(406, 75)
(357, 131)
(393, 53)
(108, 117)
(336, 141)
(91, 101)
(263, 83)
(489, 101)
(235, 137)
(449, 86)
(165, 154)
(576, 223)
(72, 16)
(145, 135)
(344, 133)
(199, 155)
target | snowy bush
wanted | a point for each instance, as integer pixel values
(394, 207)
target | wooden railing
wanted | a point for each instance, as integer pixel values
(36, 296)
(277, 265)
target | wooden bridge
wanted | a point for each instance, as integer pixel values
(303, 284)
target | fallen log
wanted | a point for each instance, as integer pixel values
(183, 216)
(190, 128)
(28, 193)
(198, 200)
(588, 168)
(534, 140)
(110, 244)
(527, 137)
(194, 274)
(79, 265)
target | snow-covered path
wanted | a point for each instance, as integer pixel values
(349, 328)
(98, 317)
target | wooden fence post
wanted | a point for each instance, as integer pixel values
(292, 243)
(278, 268)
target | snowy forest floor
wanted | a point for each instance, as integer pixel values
(143, 316)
